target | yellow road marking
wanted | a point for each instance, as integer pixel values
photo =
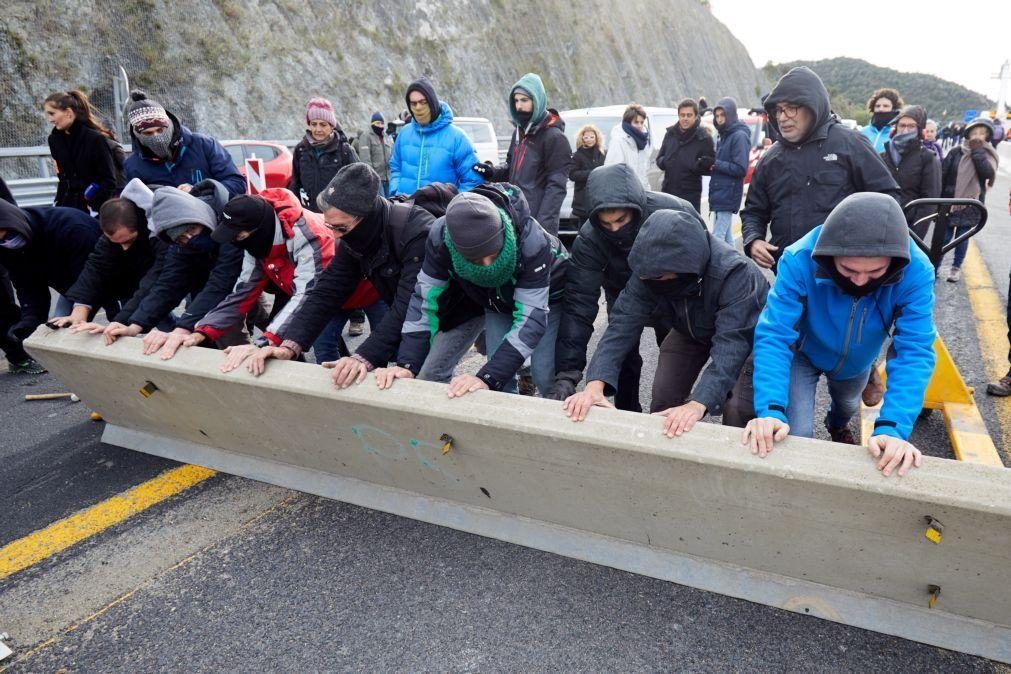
(990, 317)
(83, 524)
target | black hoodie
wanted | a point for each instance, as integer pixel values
(424, 87)
(796, 185)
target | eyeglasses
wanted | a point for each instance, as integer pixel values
(418, 104)
(786, 110)
(344, 227)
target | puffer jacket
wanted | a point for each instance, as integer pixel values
(312, 168)
(435, 153)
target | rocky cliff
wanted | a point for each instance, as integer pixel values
(244, 68)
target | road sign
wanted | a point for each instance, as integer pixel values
(256, 181)
(970, 115)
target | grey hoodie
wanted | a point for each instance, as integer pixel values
(170, 207)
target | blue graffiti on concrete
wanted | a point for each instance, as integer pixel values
(382, 444)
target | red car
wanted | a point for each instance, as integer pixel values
(276, 159)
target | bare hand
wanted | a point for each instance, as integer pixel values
(90, 327)
(176, 338)
(681, 419)
(195, 339)
(347, 371)
(63, 321)
(235, 355)
(892, 452)
(761, 253)
(462, 384)
(258, 362)
(385, 376)
(185, 187)
(154, 340)
(114, 331)
(761, 434)
(578, 405)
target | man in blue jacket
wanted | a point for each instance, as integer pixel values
(726, 187)
(839, 292)
(430, 149)
(167, 153)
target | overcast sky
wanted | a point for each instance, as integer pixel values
(941, 38)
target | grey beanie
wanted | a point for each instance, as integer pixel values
(475, 226)
(865, 224)
(353, 190)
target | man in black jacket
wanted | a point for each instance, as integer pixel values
(618, 206)
(816, 164)
(41, 248)
(381, 241)
(712, 295)
(687, 154)
(915, 167)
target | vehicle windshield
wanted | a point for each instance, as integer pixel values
(573, 123)
(478, 132)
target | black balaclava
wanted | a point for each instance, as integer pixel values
(880, 120)
(685, 285)
(365, 238)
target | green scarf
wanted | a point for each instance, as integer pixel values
(499, 272)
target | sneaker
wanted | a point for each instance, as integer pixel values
(30, 366)
(356, 329)
(954, 275)
(1001, 388)
(875, 389)
(843, 435)
(525, 386)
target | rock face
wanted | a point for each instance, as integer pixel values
(245, 68)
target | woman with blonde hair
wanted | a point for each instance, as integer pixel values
(589, 155)
(630, 143)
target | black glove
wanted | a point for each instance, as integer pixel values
(484, 169)
(564, 385)
(704, 165)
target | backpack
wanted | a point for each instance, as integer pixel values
(118, 158)
(434, 198)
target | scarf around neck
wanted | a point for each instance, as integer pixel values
(641, 138)
(496, 274)
(967, 183)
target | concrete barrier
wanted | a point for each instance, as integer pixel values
(812, 529)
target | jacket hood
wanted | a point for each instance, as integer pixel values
(670, 242)
(15, 220)
(865, 224)
(801, 86)
(212, 193)
(171, 207)
(614, 186)
(729, 107)
(531, 85)
(139, 193)
(427, 89)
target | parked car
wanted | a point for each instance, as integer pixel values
(276, 159)
(482, 136)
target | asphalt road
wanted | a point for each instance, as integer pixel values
(235, 574)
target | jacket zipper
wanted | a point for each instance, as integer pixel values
(860, 328)
(421, 160)
(688, 321)
(846, 339)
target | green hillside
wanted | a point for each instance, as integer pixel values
(850, 83)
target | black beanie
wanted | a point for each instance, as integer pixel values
(353, 190)
(475, 226)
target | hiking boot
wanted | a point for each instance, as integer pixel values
(843, 435)
(875, 389)
(525, 386)
(30, 366)
(954, 275)
(1001, 387)
(356, 329)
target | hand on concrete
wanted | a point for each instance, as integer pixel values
(258, 361)
(761, 253)
(235, 355)
(90, 327)
(893, 453)
(114, 331)
(347, 371)
(175, 339)
(195, 339)
(462, 384)
(385, 376)
(154, 340)
(79, 314)
(681, 419)
(761, 434)
(578, 405)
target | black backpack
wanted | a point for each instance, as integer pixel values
(434, 198)
(118, 158)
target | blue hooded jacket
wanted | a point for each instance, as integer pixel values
(842, 334)
(877, 137)
(435, 153)
(733, 152)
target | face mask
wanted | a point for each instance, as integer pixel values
(850, 288)
(14, 242)
(524, 117)
(623, 238)
(682, 286)
(422, 114)
(201, 243)
(881, 119)
(904, 141)
(159, 143)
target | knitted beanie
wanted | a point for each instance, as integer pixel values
(144, 113)
(320, 108)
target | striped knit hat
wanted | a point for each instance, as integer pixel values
(320, 108)
(144, 113)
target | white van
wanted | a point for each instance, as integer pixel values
(482, 136)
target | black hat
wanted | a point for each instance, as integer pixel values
(244, 213)
(353, 190)
(475, 226)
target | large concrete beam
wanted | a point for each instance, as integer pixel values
(812, 529)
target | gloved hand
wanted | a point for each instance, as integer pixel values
(704, 165)
(484, 169)
(564, 385)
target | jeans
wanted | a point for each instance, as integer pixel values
(330, 346)
(844, 394)
(723, 226)
(448, 348)
(542, 360)
(961, 249)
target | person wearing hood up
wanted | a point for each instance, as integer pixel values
(916, 168)
(630, 143)
(489, 247)
(733, 152)
(167, 153)
(687, 154)
(430, 148)
(375, 146)
(322, 152)
(539, 153)
(41, 249)
(712, 296)
(816, 164)
(841, 291)
(618, 206)
(883, 105)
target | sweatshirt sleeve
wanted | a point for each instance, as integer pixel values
(630, 314)
(220, 283)
(230, 311)
(308, 268)
(421, 323)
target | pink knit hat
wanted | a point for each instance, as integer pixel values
(320, 108)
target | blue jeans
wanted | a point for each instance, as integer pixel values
(542, 360)
(844, 394)
(327, 346)
(961, 249)
(723, 229)
(448, 349)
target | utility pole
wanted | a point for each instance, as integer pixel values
(1005, 77)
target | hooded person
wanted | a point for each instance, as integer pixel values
(841, 292)
(167, 153)
(490, 248)
(712, 296)
(733, 153)
(618, 206)
(915, 167)
(430, 148)
(883, 105)
(687, 154)
(539, 155)
(322, 152)
(816, 164)
(375, 147)
(42, 249)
